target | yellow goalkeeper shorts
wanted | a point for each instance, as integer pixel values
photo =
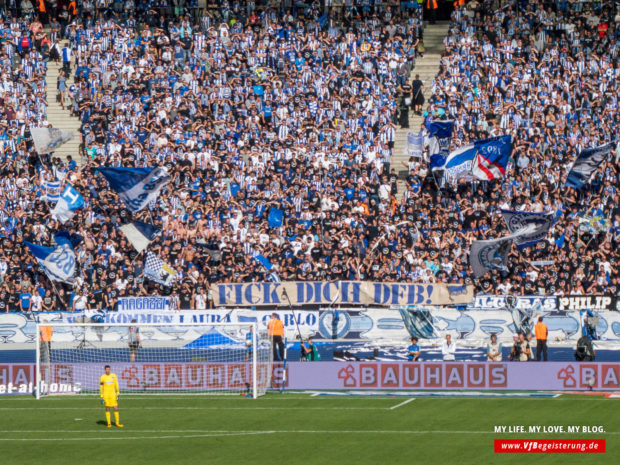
(110, 401)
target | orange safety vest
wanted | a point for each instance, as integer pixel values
(459, 3)
(73, 8)
(42, 6)
(46, 333)
(540, 331)
(431, 4)
(275, 327)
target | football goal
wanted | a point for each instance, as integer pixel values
(213, 358)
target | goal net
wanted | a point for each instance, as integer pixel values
(214, 358)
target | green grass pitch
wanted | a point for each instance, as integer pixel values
(295, 429)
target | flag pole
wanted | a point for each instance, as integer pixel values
(56, 290)
(136, 257)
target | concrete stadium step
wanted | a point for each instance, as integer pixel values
(60, 118)
(426, 67)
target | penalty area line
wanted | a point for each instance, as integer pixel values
(402, 403)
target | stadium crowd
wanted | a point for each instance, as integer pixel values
(254, 108)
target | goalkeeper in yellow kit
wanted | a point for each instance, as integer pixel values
(109, 393)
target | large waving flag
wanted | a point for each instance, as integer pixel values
(439, 144)
(47, 140)
(139, 234)
(492, 156)
(520, 223)
(136, 186)
(57, 263)
(489, 255)
(157, 270)
(415, 145)
(484, 159)
(458, 164)
(68, 203)
(587, 162)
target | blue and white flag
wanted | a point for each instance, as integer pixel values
(415, 145)
(492, 157)
(136, 186)
(587, 162)
(439, 144)
(57, 263)
(47, 140)
(459, 163)
(140, 234)
(520, 222)
(489, 255)
(52, 190)
(68, 203)
(157, 270)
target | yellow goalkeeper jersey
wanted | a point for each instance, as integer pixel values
(109, 386)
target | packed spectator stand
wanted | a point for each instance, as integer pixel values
(251, 107)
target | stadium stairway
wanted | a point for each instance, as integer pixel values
(427, 67)
(60, 118)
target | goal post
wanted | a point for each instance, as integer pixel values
(153, 358)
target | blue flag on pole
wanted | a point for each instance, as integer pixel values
(492, 157)
(587, 162)
(136, 186)
(68, 203)
(439, 144)
(57, 263)
(139, 234)
(264, 261)
(275, 217)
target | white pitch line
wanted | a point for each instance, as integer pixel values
(231, 432)
(196, 408)
(402, 403)
(126, 438)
